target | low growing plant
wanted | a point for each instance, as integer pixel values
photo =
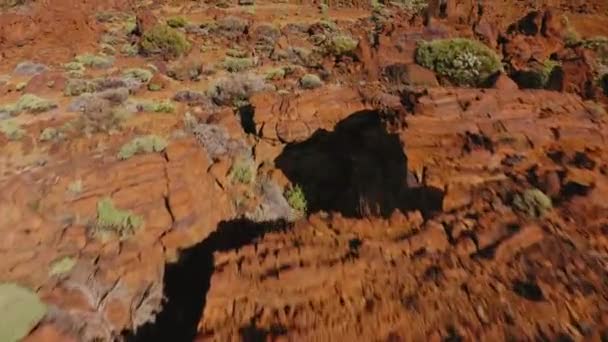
(143, 144)
(296, 198)
(462, 61)
(111, 220)
(164, 40)
(234, 64)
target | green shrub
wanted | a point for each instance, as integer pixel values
(296, 199)
(342, 45)
(177, 22)
(154, 87)
(157, 106)
(51, 134)
(94, 61)
(21, 311)
(31, 104)
(143, 144)
(76, 87)
(533, 202)
(164, 40)
(74, 66)
(111, 220)
(233, 64)
(310, 81)
(242, 171)
(75, 187)
(11, 129)
(236, 53)
(275, 74)
(62, 266)
(142, 75)
(462, 61)
(129, 50)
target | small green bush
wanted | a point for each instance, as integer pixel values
(75, 187)
(31, 104)
(164, 40)
(275, 74)
(11, 129)
(111, 220)
(142, 75)
(296, 199)
(533, 202)
(236, 53)
(177, 22)
(157, 106)
(342, 45)
(242, 171)
(76, 87)
(310, 81)
(143, 144)
(62, 266)
(74, 66)
(233, 64)
(129, 50)
(51, 134)
(462, 61)
(21, 311)
(94, 61)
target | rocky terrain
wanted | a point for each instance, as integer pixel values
(304, 171)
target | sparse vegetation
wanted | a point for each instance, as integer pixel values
(76, 86)
(533, 202)
(164, 40)
(242, 171)
(31, 104)
(51, 134)
(236, 88)
(275, 74)
(94, 61)
(157, 106)
(177, 22)
(143, 144)
(461, 61)
(342, 45)
(11, 129)
(62, 266)
(310, 81)
(142, 75)
(233, 64)
(75, 187)
(296, 198)
(113, 221)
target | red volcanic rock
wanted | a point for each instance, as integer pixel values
(145, 20)
(504, 82)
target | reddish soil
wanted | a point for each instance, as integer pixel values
(411, 232)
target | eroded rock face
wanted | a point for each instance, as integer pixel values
(114, 285)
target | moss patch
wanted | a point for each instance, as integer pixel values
(461, 61)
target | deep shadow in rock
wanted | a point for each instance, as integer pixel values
(358, 169)
(186, 282)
